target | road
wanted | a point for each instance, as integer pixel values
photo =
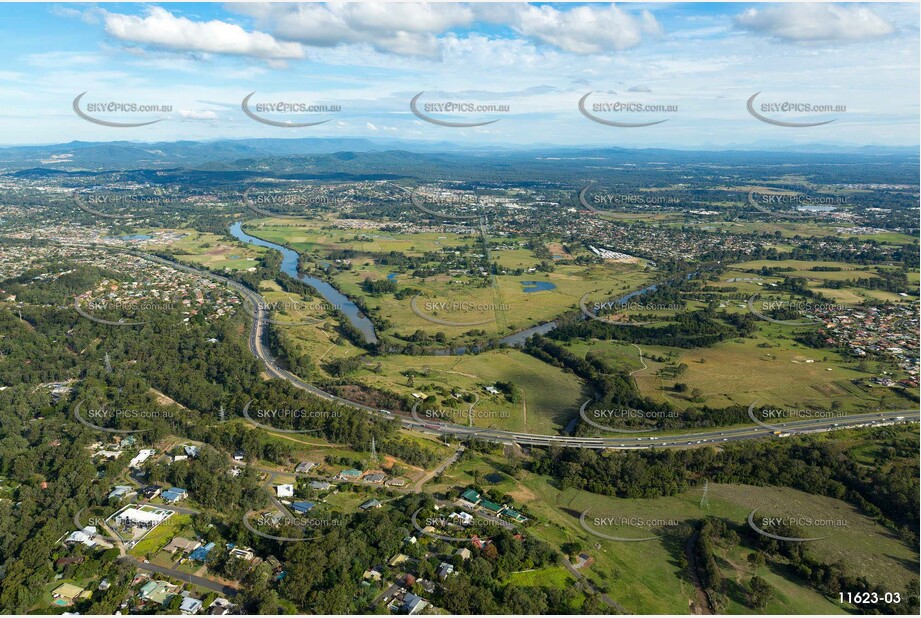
(590, 587)
(195, 580)
(417, 486)
(684, 440)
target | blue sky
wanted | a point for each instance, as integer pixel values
(702, 62)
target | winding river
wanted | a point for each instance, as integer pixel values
(289, 261)
(336, 298)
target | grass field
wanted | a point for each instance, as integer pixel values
(741, 372)
(647, 577)
(497, 307)
(161, 535)
(549, 577)
(550, 397)
(212, 251)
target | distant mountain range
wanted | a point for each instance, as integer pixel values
(244, 154)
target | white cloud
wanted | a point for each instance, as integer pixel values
(416, 29)
(403, 29)
(160, 28)
(815, 22)
(191, 114)
(584, 29)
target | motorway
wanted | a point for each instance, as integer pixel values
(622, 442)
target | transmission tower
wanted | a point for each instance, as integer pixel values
(705, 499)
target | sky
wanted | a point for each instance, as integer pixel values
(697, 65)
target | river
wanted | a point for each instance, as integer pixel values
(289, 261)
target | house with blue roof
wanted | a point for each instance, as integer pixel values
(173, 494)
(201, 554)
(302, 506)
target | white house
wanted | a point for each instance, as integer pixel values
(141, 457)
(284, 491)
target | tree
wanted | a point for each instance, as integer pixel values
(759, 593)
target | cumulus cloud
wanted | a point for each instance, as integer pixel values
(161, 29)
(815, 22)
(584, 29)
(191, 114)
(402, 29)
(424, 29)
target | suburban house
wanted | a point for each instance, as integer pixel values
(302, 506)
(320, 485)
(190, 605)
(284, 491)
(350, 474)
(413, 604)
(445, 569)
(181, 544)
(138, 518)
(243, 553)
(150, 492)
(68, 593)
(474, 499)
(375, 477)
(464, 519)
(87, 537)
(119, 492)
(370, 504)
(157, 592)
(304, 467)
(201, 553)
(173, 494)
(373, 574)
(141, 457)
